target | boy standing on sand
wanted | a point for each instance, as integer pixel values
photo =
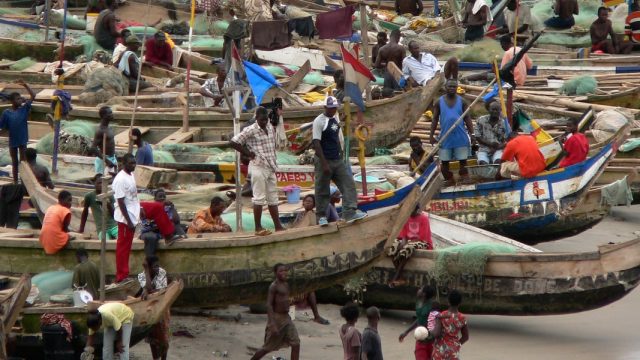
(280, 331)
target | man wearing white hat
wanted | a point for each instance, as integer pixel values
(328, 144)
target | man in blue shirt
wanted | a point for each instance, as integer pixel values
(456, 146)
(144, 155)
(15, 120)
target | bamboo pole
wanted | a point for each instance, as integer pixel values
(364, 34)
(103, 238)
(185, 117)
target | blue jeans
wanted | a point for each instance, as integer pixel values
(110, 338)
(458, 153)
(339, 174)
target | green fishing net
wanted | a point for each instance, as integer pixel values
(542, 10)
(75, 138)
(139, 30)
(219, 27)
(162, 156)
(483, 51)
(380, 160)
(188, 148)
(564, 39)
(469, 259)
(356, 22)
(283, 158)
(89, 45)
(209, 43)
(314, 78)
(22, 64)
(247, 221)
(580, 85)
(72, 21)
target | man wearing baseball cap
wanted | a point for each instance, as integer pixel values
(328, 144)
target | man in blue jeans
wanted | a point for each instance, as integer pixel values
(329, 165)
(446, 111)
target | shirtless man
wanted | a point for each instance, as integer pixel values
(565, 9)
(392, 51)
(600, 30)
(41, 172)
(106, 115)
(280, 331)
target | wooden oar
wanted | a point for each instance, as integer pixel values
(446, 135)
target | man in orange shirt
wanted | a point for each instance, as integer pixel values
(521, 157)
(520, 70)
(55, 225)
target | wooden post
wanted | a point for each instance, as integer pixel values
(185, 117)
(103, 238)
(47, 4)
(510, 106)
(347, 128)
(364, 34)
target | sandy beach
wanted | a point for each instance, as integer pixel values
(605, 333)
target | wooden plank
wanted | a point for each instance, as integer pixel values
(36, 68)
(122, 139)
(297, 78)
(181, 136)
(393, 69)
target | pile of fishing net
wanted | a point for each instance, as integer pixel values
(162, 156)
(102, 85)
(580, 85)
(247, 221)
(75, 138)
(542, 10)
(72, 22)
(175, 27)
(22, 64)
(208, 43)
(467, 259)
(89, 45)
(483, 51)
(565, 39)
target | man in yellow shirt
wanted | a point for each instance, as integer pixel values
(116, 319)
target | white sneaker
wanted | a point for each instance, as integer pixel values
(323, 221)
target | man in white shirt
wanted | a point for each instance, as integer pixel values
(419, 67)
(126, 213)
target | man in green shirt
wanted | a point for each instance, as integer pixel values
(86, 273)
(92, 202)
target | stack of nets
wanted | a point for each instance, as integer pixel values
(75, 138)
(580, 85)
(22, 64)
(467, 259)
(103, 84)
(483, 51)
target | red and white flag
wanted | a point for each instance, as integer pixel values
(236, 62)
(356, 77)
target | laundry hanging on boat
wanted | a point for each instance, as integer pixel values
(617, 193)
(302, 26)
(270, 35)
(335, 24)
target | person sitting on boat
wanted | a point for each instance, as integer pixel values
(144, 155)
(157, 223)
(338, 78)
(209, 220)
(15, 119)
(116, 320)
(153, 279)
(334, 198)
(158, 51)
(105, 31)
(106, 148)
(415, 235)
(39, 171)
(91, 201)
(491, 134)
(120, 47)
(417, 154)
(510, 51)
(86, 274)
(171, 211)
(447, 112)
(330, 166)
(212, 89)
(260, 140)
(419, 67)
(600, 30)
(391, 52)
(574, 144)
(130, 64)
(54, 234)
(565, 9)
(521, 157)
(476, 15)
(308, 217)
(413, 7)
(381, 41)
(522, 12)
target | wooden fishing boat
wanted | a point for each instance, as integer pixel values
(12, 297)
(147, 313)
(237, 267)
(528, 282)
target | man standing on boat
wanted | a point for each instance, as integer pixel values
(521, 157)
(391, 52)
(476, 15)
(212, 89)
(107, 147)
(600, 30)
(260, 139)
(280, 331)
(39, 171)
(491, 134)
(329, 166)
(15, 120)
(382, 41)
(91, 201)
(510, 51)
(105, 30)
(126, 213)
(455, 147)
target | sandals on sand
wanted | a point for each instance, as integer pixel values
(263, 232)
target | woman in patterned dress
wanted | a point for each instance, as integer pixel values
(451, 330)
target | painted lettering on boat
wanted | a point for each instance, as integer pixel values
(295, 177)
(456, 205)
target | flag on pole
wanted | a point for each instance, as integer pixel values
(532, 128)
(356, 77)
(260, 80)
(236, 64)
